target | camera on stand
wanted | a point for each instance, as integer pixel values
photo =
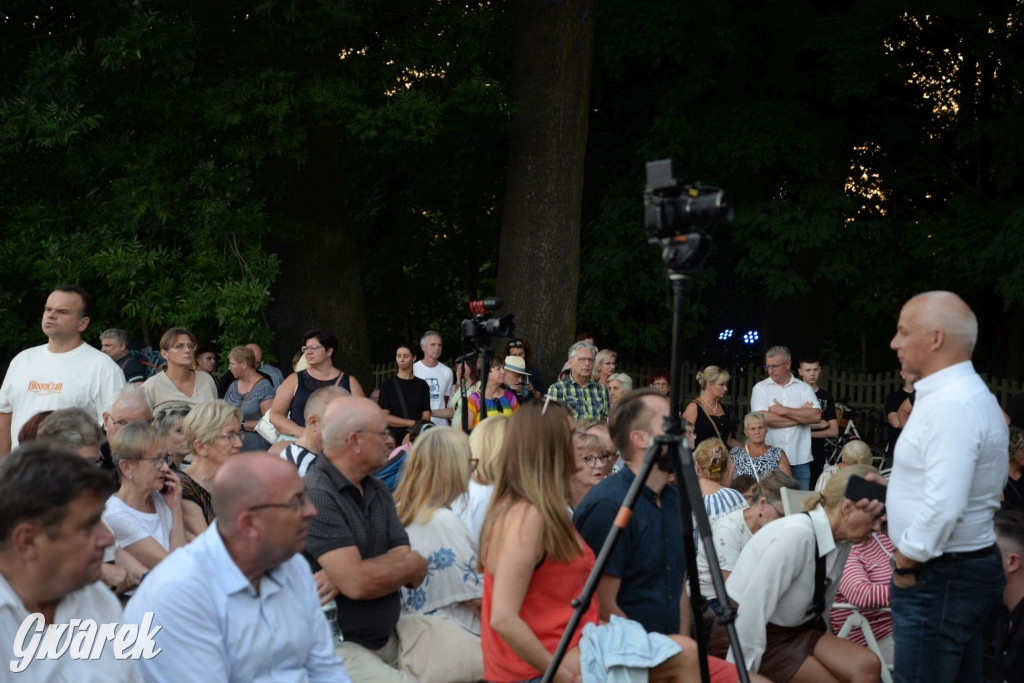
(479, 332)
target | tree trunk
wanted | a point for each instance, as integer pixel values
(321, 283)
(539, 264)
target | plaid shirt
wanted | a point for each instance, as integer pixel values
(582, 401)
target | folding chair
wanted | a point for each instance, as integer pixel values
(792, 498)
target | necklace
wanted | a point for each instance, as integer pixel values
(708, 405)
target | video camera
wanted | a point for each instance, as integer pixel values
(481, 331)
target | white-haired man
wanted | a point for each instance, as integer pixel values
(438, 377)
(580, 392)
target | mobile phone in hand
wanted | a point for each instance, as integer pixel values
(858, 487)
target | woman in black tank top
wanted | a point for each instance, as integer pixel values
(287, 412)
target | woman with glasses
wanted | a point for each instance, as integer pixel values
(288, 407)
(436, 474)
(213, 430)
(484, 444)
(756, 458)
(593, 464)
(659, 380)
(177, 380)
(732, 530)
(145, 515)
(252, 392)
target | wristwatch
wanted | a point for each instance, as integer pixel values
(901, 571)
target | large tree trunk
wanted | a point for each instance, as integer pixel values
(321, 283)
(539, 264)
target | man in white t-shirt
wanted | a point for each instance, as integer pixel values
(51, 552)
(790, 408)
(63, 373)
(438, 377)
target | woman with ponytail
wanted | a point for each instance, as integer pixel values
(784, 582)
(712, 458)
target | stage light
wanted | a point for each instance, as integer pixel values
(725, 335)
(751, 337)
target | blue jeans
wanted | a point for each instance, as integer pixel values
(938, 621)
(802, 473)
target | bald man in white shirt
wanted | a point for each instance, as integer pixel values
(949, 468)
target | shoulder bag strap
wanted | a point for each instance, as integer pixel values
(401, 398)
(820, 584)
(711, 420)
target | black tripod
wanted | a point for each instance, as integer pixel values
(671, 452)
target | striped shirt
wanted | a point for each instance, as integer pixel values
(865, 583)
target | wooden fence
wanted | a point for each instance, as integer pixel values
(867, 390)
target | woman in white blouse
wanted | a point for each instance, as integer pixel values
(145, 514)
(774, 581)
(436, 473)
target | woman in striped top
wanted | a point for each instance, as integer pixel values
(712, 460)
(865, 583)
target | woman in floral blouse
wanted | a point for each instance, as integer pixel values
(436, 473)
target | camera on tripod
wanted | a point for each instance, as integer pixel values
(672, 208)
(479, 330)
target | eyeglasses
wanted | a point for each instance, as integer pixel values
(231, 436)
(779, 512)
(311, 347)
(775, 366)
(583, 360)
(383, 434)
(158, 460)
(296, 503)
(184, 347)
(659, 384)
(122, 423)
(515, 344)
(591, 460)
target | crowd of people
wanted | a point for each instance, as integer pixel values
(291, 527)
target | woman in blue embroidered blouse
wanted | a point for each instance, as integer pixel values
(436, 473)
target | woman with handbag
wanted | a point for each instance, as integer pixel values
(252, 393)
(706, 413)
(756, 458)
(781, 584)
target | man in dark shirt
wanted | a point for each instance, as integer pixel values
(1004, 655)
(358, 540)
(828, 428)
(643, 579)
(114, 343)
(897, 409)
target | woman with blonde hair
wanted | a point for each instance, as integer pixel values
(799, 556)
(436, 473)
(484, 444)
(706, 413)
(532, 559)
(213, 432)
(712, 459)
(592, 465)
(145, 513)
(853, 453)
(756, 458)
(604, 365)
(169, 421)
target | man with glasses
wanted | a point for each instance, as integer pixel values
(239, 603)
(580, 392)
(357, 539)
(131, 405)
(63, 373)
(790, 408)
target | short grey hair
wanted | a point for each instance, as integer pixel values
(120, 336)
(428, 334)
(132, 395)
(169, 415)
(777, 351)
(72, 428)
(581, 345)
(625, 380)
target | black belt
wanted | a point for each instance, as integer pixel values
(968, 555)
